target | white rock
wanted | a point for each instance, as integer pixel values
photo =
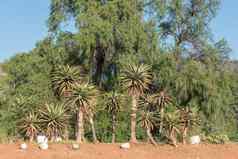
(41, 139)
(125, 146)
(75, 146)
(23, 146)
(44, 146)
(58, 139)
(195, 139)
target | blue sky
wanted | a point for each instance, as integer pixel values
(23, 23)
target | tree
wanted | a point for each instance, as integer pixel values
(187, 24)
(54, 119)
(113, 107)
(82, 98)
(105, 30)
(135, 79)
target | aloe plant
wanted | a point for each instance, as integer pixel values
(54, 119)
(135, 79)
(30, 125)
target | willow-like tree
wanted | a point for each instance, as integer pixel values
(135, 79)
(104, 30)
(187, 24)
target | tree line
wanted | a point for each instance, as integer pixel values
(131, 69)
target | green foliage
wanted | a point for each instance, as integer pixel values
(217, 138)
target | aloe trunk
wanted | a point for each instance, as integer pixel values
(66, 134)
(161, 119)
(150, 137)
(173, 137)
(113, 128)
(93, 130)
(133, 119)
(79, 131)
(31, 138)
(185, 131)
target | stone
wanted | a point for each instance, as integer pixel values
(75, 146)
(125, 146)
(58, 139)
(23, 146)
(41, 139)
(43, 146)
(195, 140)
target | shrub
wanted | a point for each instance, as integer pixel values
(217, 138)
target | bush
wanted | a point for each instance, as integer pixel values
(217, 138)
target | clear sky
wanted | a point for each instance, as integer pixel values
(23, 23)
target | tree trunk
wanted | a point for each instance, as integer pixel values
(93, 130)
(185, 130)
(173, 137)
(161, 119)
(150, 137)
(79, 131)
(54, 137)
(133, 119)
(31, 138)
(66, 134)
(177, 50)
(113, 128)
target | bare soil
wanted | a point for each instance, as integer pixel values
(112, 151)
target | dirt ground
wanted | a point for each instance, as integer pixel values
(112, 151)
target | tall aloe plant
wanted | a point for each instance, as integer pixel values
(81, 99)
(135, 79)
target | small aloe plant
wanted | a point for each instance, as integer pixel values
(30, 125)
(54, 120)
